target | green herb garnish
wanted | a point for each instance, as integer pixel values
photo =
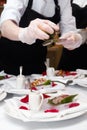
(59, 100)
(47, 82)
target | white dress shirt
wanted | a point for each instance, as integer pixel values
(81, 3)
(14, 9)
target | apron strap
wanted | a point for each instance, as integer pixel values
(56, 2)
(30, 3)
(71, 1)
(56, 5)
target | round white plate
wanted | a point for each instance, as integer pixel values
(82, 85)
(43, 89)
(12, 109)
(66, 117)
(49, 88)
(10, 89)
(18, 91)
(23, 115)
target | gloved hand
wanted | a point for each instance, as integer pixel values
(37, 29)
(70, 40)
(83, 33)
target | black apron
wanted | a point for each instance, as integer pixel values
(72, 60)
(14, 54)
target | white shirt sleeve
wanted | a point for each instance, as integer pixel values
(81, 3)
(14, 9)
(67, 22)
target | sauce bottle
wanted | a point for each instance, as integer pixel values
(20, 80)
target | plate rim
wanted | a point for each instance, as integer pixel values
(49, 119)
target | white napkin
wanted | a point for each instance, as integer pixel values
(2, 73)
(81, 108)
(59, 79)
(27, 115)
(11, 78)
(12, 110)
(81, 71)
(81, 82)
(81, 3)
(8, 84)
(10, 87)
(42, 115)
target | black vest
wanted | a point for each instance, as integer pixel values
(72, 60)
(80, 14)
(31, 57)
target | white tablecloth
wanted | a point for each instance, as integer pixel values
(78, 123)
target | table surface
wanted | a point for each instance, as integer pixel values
(77, 123)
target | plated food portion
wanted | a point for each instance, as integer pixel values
(40, 81)
(41, 84)
(44, 83)
(67, 106)
(65, 73)
(61, 99)
(78, 77)
(4, 76)
(58, 104)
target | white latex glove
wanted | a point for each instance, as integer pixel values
(70, 40)
(83, 33)
(37, 29)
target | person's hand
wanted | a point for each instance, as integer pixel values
(70, 40)
(83, 33)
(37, 29)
